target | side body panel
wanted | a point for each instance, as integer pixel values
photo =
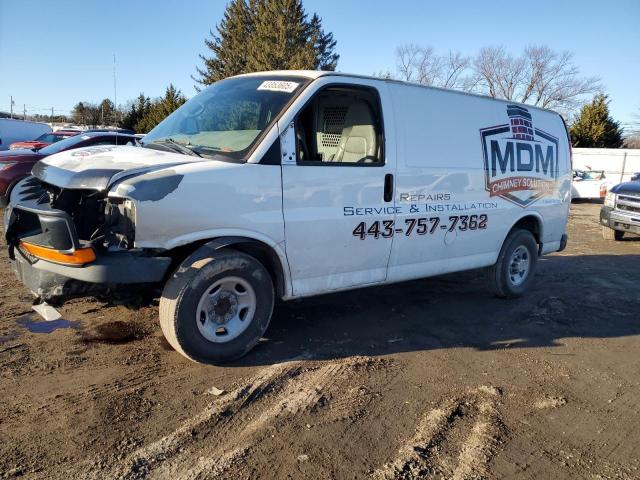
(203, 200)
(444, 176)
(323, 204)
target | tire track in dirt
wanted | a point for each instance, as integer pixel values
(308, 389)
(209, 444)
(455, 440)
(140, 462)
(301, 393)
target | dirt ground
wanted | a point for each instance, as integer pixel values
(426, 379)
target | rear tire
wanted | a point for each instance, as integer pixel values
(611, 234)
(514, 271)
(217, 305)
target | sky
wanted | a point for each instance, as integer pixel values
(54, 54)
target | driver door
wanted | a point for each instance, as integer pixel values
(337, 180)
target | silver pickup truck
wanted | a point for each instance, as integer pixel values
(620, 213)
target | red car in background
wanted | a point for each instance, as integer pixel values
(17, 164)
(43, 140)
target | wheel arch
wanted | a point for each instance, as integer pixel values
(531, 221)
(272, 260)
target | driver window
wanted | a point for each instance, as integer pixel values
(341, 126)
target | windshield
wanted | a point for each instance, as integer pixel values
(228, 117)
(588, 175)
(49, 138)
(64, 144)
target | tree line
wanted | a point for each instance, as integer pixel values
(255, 35)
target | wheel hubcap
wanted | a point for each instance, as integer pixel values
(226, 309)
(519, 265)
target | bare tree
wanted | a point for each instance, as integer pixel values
(539, 76)
(632, 141)
(422, 65)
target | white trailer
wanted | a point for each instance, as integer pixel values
(618, 164)
(13, 130)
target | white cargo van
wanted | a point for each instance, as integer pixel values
(13, 130)
(292, 184)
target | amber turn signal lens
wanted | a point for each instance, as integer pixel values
(78, 257)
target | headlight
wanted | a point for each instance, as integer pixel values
(5, 165)
(610, 199)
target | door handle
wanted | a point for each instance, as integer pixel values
(388, 187)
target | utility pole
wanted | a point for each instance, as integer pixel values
(51, 117)
(102, 113)
(24, 111)
(12, 102)
(115, 97)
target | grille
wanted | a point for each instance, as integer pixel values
(332, 126)
(628, 203)
(33, 190)
(629, 198)
(629, 208)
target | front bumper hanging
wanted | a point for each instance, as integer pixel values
(32, 226)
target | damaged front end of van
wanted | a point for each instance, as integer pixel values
(69, 234)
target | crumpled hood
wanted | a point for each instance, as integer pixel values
(95, 168)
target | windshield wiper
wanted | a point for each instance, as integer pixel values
(175, 146)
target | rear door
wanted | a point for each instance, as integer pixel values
(338, 187)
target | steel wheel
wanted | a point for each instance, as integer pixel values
(226, 309)
(519, 265)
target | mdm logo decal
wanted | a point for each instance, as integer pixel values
(520, 161)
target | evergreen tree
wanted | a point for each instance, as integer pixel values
(229, 45)
(259, 35)
(324, 44)
(136, 110)
(594, 127)
(281, 38)
(78, 113)
(160, 109)
(106, 109)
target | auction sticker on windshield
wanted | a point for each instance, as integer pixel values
(278, 86)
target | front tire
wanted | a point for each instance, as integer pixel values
(514, 272)
(217, 305)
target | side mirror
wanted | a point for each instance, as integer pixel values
(288, 143)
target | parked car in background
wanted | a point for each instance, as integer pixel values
(112, 130)
(12, 130)
(620, 213)
(43, 140)
(17, 164)
(635, 177)
(589, 184)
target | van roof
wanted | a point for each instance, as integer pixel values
(314, 74)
